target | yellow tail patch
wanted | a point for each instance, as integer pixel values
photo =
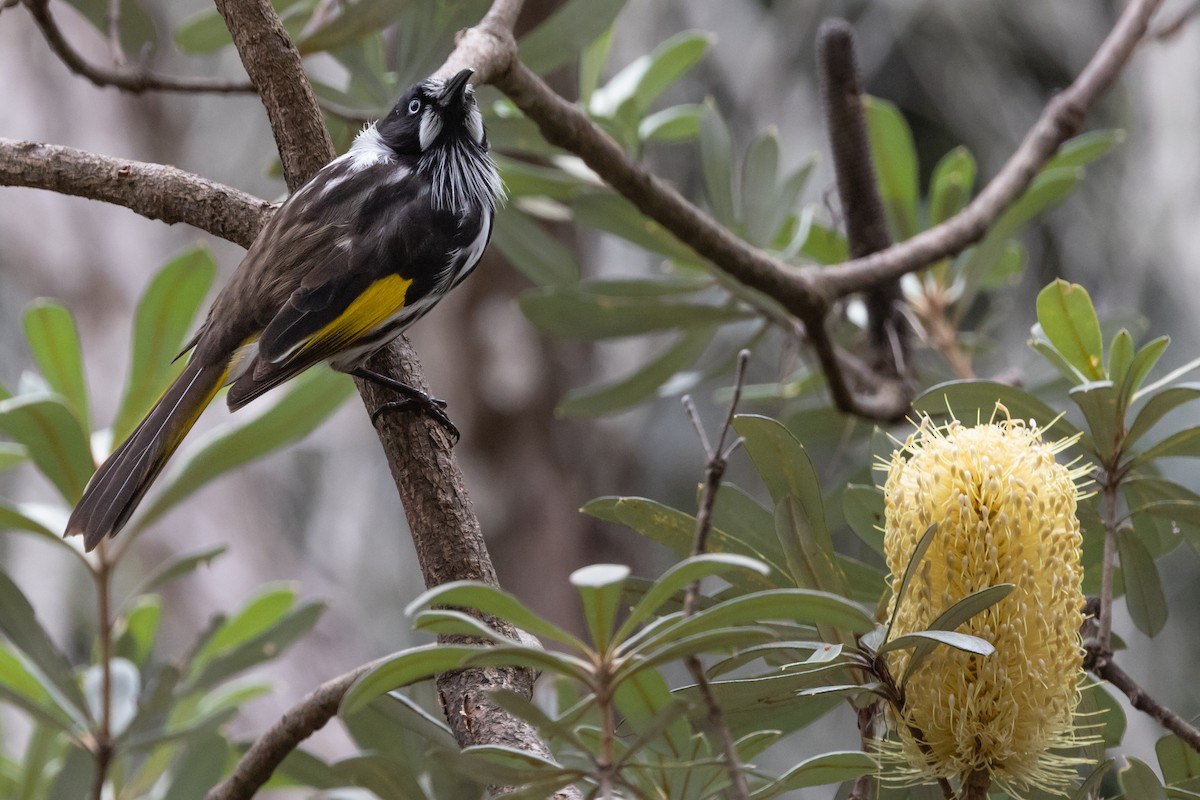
(375, 306)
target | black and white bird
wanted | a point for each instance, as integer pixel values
(356, 255)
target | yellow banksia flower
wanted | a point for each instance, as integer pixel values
(1005, 511)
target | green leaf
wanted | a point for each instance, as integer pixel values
(176, 567)
(1068, 319)
(745, 519)
(824, 245)
(565, 33)
(679, 577)
(1143, 589)
(643, 699)
(523, 179)
(676, 530)
(539, 256)
(716, 164)
(355, 22)
(494, 601)
(895, 157)
(914, 563)
(1090, 788)
(863, 508)
(1158, 406)
(951, 185)
(604, 210)
(20, 624)
(53, 437)
(1100, 403)
(1143, 361)
(835, 767)
(954, 616)
(1182, 444)
(75, 777)
(160, 324)
(1139, 781)
(578, 313)
(1120, 359)
(403, 668)
(765, 703)
(785, 467)
(21, 687)
(548, 726)
(137, 628)
(264, 647)
(599, 587)
(200, 766)
(50, 330)
(514, 765)
(759, 193)
(136, 32)
(1177, 760)
(262, 612)
(302, 406)
(44, 520)
(591, 65)
(1085, 148)
(1100, 708)
(959, 641)
(811, 565)
(669, 62)
(675, 124)
(11, 455)
(641, 384)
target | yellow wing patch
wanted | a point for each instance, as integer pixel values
(382, 300)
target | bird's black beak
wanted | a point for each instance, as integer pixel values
(456, 87)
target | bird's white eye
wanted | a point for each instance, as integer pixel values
(414, 106)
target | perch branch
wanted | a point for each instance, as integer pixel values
(152, 190)
(299, 722)
(129, 79)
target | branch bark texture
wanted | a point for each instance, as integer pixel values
(155, 191)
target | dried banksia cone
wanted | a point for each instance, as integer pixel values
(1005, 511)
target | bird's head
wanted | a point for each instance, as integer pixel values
(435, 113)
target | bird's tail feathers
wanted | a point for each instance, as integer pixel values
(119, 484)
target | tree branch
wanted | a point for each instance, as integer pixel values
(299, 722)
(1102, 666)
(274, 65)
(152, 190)
(129, 79)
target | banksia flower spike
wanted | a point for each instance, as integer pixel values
(1005, 511)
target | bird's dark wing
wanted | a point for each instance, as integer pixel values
(365, 284)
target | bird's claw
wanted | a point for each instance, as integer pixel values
(432, 407)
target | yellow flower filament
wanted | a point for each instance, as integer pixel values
(1005, 511)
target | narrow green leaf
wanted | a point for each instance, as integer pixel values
(951, 185)
(1143, 589)
(676, 530)
(137, 628)
(895, 157)
(53, 437)
(811, 565)
(176, 567)
(1069, 321)
(355, 22)
(41, 519)
(1182, 444)
(1139, 781)
(1120, 359)
(261, 648)
(1177, 760)
(716, 164)
(716, 641)
(1158, 406)
(591, 65)
(200, 767)
(679, 577)
(494, 601)
(745, 519)
(43, 746)
(519, 765)
(565, 33)
(303, 405)
(547, 725)
(539, 256)
(824, 245)
(862, 506)
(580, 314)
(972, 401)
(22, 688)
(599, 587)
(20, 624)
(524, 179)
(1143, 361)
(914, 563)
(76, 776)
(160, 324)
(1100, 403)
(11, 455)
(50, 330)
(675, 124)
(759, 193)
(1081, 150)
(835, 767)
(669, 62)
(1048, 352)
(259, 614)
(605, 210)
(641, 384)
(1090, 788)
(786, 199)
(643, 698)
(959, 641)
(954, 616)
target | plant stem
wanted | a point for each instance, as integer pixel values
(1104, 634)
(102, 576)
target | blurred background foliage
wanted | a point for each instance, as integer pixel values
(563, 357)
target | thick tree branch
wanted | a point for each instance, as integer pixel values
(297, 724)
(274, 65)
(152, 190)
(129, 79)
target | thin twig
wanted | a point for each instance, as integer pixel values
(300, 721)
(1103, 666)
(129, 79)
(716, 459)
(102, 580)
